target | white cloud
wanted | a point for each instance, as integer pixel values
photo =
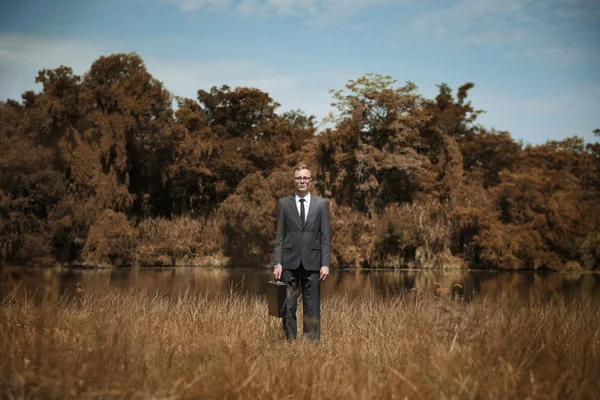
(536, 29)
(194, 5)
(292, 6)
(313, 12)
(559, 32)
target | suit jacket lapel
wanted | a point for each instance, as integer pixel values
(311, 208)
(295, 209)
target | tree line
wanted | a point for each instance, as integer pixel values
(109, 168)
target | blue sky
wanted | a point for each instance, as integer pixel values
(534, 62)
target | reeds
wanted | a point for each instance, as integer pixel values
(134, 344)
(180, 241)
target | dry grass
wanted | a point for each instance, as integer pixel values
(132, 344)
(180, 241)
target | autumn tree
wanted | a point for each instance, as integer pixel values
(29, 187)
(411, 181)
(33, 186)
(451, 120)
(594, 151)
(371, 157)
(389, 146)
(249, 216)
(453, 116)
(132, 125)
(104, 140)
(486, 153)
(544, 213)
(229, 134)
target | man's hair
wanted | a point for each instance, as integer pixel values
(301, 166)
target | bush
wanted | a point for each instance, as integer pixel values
(414, 236)
(352, 236)
(249, 217)
(180, 241)
(111, 241)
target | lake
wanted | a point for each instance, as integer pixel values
(525, 286)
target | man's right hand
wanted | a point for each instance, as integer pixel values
(277, 272)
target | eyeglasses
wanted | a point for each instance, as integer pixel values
(302, 178)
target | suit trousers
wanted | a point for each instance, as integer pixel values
(311, 303)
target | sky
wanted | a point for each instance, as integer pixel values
(534, 63)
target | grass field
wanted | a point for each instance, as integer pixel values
(130, 344)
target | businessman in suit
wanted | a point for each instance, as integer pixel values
(302, 253)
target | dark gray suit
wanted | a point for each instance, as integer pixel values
(302, 249)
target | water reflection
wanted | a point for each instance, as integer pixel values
(388, 283)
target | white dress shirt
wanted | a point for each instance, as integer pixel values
(306, 205)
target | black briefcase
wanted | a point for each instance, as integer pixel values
(276, 298)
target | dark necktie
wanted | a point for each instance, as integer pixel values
(302, 212)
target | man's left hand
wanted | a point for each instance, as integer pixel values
(323, 273)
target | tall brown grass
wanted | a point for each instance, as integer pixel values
(180, 241)
(135, 344)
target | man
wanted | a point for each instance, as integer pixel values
(302, 253)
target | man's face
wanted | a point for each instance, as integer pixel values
(302, 180)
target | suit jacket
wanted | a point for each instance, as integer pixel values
(308, 244)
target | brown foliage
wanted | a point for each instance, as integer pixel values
(101, 141)
(132, 127)
(540, 220)
(417, 235)
(392, 146)
(370, 159)
(111, 241)
(487, 153)
(249, 215)
(352, 237)
(29, 188)
(228, 135)
(410, 181)
(180, 241)
(503, 246)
